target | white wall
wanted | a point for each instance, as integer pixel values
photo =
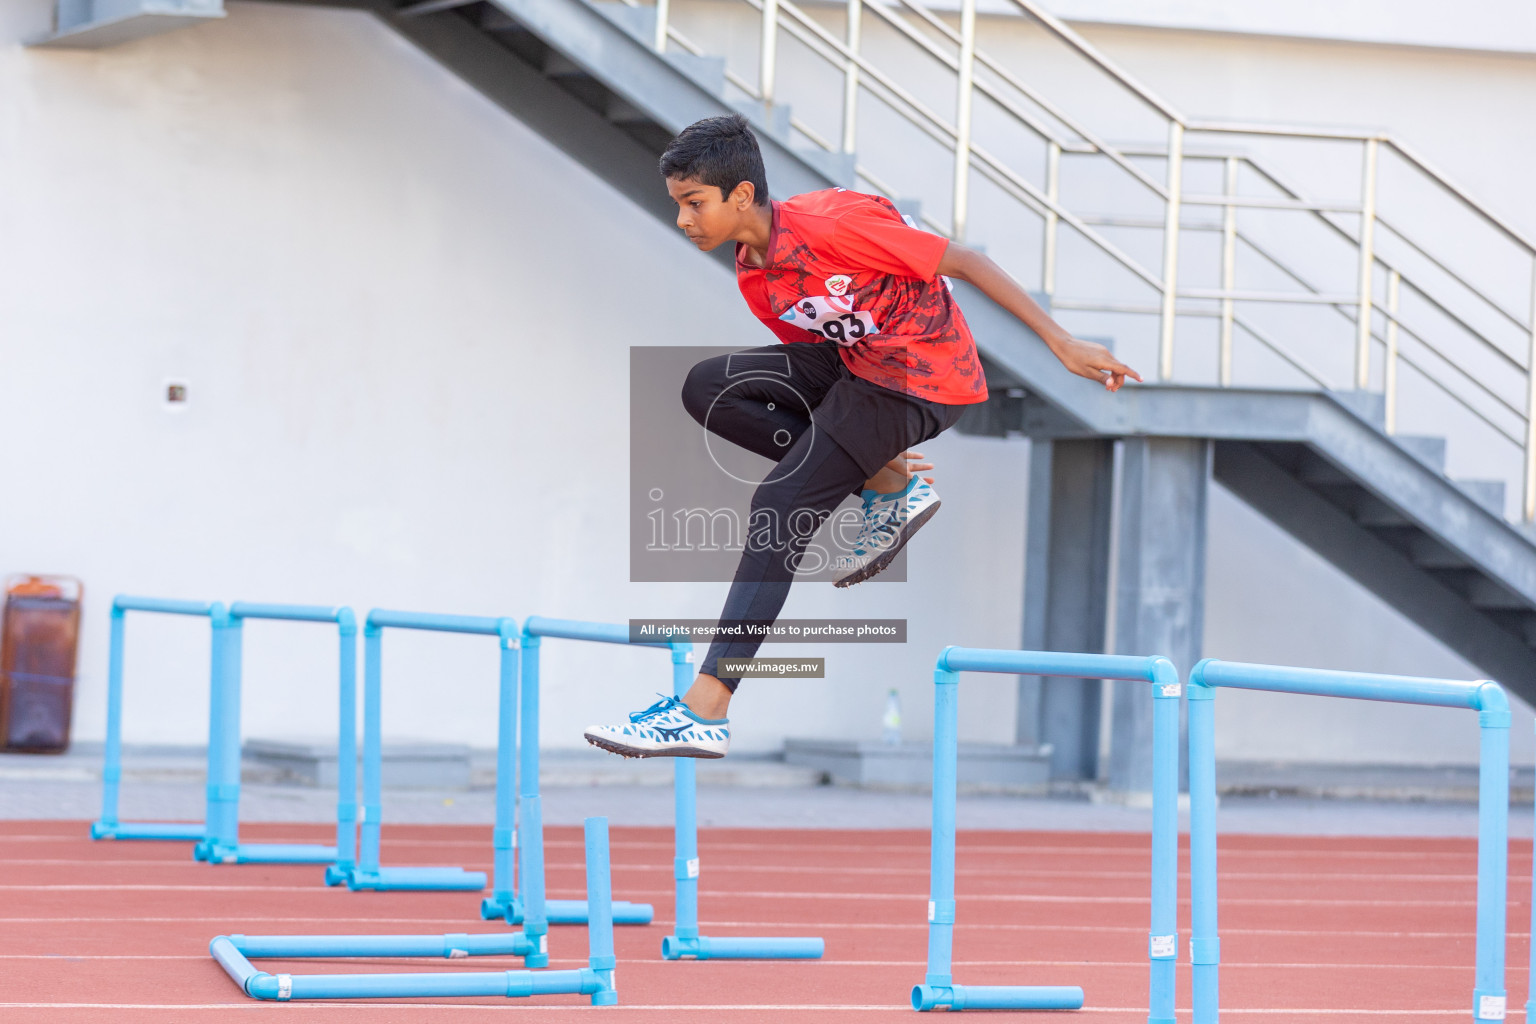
(1490, 25)
(405, 322)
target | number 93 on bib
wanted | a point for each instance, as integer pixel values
(833, 317)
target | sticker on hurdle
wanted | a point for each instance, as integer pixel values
(109, 825)
(938, 988)
(368, 873)
(234, 953)
(222, 845)
(1492, 707)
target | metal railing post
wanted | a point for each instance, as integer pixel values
(1171, 250)
(1228, 270)
(963, 85)
(1367, 265)
(659, 43)
(768, 56)
(851, 78)
(1389, 370)
(1052, 221)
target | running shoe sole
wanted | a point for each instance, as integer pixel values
(623, 751)
(881, 561)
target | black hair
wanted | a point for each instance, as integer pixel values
(718, 151)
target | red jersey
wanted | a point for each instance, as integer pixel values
(843, 266)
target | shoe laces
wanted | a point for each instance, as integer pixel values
(661, 707)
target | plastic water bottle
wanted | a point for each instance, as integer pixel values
(891, 722)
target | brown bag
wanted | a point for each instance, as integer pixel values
(39, 636)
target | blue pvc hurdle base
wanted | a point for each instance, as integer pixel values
(449, 947)
(997, 997)
(173, 831)
(596, 979)
(703, 947)
(494, 908)
(413, 880)
(264, 853)
(228, 951)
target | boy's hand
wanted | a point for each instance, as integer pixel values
(1084, 358)
(1094, 361)
(909, 463)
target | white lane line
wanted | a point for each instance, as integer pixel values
(707, 846)
(989, 897)
(225, 920)
(110, 887)
(700, 1008)
(819, 964)
(899, 897)
(1468, 856)
(1469, 878)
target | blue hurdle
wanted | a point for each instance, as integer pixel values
(222, 845)
(1484, 697)
(222, 788)
(519, 808)
(938, 988)
(368, 873)
(233, 953)
(686, 942)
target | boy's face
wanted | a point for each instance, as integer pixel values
(704, 216)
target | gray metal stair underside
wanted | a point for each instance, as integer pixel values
(1317, 464)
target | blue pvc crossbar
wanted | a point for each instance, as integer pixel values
(280, 853)
(510, 908)
(382, 618)
(222, 843)
(108, 826)
(938, 989)
(595, 632)
(413, 879)
(998, 997)
(163, 605)
(233, 953)
(1050, 663)
(450, 947)
(1480, 695)
(705, 947)
(292, 612)
(1485, 697)
(368, 874)
(166, 830)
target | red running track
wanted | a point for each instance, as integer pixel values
(1313, 929)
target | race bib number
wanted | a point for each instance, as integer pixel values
(833, 317)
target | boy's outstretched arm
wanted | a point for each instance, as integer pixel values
(1084, 358)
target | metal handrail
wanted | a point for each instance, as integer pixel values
(1094, 143)
(1269, 175)
(1000, 173)
(1362, 306)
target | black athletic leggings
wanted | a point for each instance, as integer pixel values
(828, 430)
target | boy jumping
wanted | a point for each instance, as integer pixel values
(878, 359)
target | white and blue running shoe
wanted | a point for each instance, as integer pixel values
(890, 520)
(667, 728)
